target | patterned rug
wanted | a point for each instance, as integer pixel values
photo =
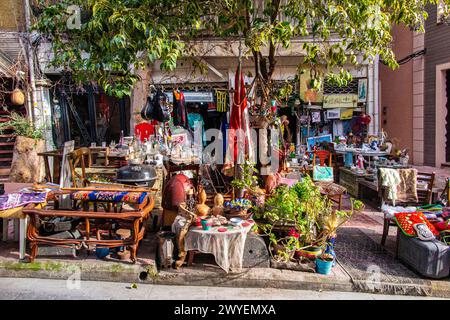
(374, 269)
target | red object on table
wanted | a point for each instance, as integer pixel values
(144, 130)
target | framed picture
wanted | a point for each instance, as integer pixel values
(315, 141)
(333, 114)
(315, 116)
(362, 90)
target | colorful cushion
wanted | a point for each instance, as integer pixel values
(110, 196)
(19, 199)
(407, 220)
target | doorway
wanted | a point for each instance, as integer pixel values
(442, 119)
(447, 119)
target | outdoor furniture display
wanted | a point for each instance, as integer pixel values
(57, 156)
(424, 191)
(350, 180)
(99, 154)
(79, 157)
(99, 229)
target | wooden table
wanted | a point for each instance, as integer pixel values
(134, 220)
(350, 180)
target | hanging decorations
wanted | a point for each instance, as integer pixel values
(17, 97)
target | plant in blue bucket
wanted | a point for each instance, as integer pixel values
(324, 263)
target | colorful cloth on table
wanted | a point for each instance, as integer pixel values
(390, 178)
(407, 220)
(19, 199)
(110, 196)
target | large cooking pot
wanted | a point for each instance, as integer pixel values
(137, 174)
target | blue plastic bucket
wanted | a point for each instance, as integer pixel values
(323, 267)
(101, 252)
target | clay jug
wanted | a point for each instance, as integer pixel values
(218, 205)
(201, 208)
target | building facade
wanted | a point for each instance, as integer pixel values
(414, 98)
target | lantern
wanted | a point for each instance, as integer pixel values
(17, 97)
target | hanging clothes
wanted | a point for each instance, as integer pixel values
(237, 150)
(390, 178)
(180, 115)
(195, 119)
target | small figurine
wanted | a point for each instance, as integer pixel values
(360, 162)
(374, 145)
(342, 142)
(404, 157)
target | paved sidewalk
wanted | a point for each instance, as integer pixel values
(37, 289)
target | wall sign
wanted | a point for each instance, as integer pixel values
(333, 114)
(340, 101)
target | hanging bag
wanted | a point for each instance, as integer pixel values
(156, 108)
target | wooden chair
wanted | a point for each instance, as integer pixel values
(57, 156)
(424, 196)
(338, 161)
(94, 153)
(76, 158)
(333, 191)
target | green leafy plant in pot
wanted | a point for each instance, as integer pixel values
(246, 181)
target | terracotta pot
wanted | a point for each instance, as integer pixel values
(17, 97)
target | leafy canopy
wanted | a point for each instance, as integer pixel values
(118, 36)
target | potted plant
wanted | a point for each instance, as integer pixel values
(309, 215)
(246, 181)
(27, 166)
(324, 263)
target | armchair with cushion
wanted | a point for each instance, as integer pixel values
(424, 191)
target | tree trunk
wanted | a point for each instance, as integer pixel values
(139, 97)
(27, 166)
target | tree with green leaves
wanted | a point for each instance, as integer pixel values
(117, 37)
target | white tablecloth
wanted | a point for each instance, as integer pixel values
(227, 247)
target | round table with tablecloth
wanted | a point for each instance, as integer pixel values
(227, 247)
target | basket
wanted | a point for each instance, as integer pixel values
(233, 213)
